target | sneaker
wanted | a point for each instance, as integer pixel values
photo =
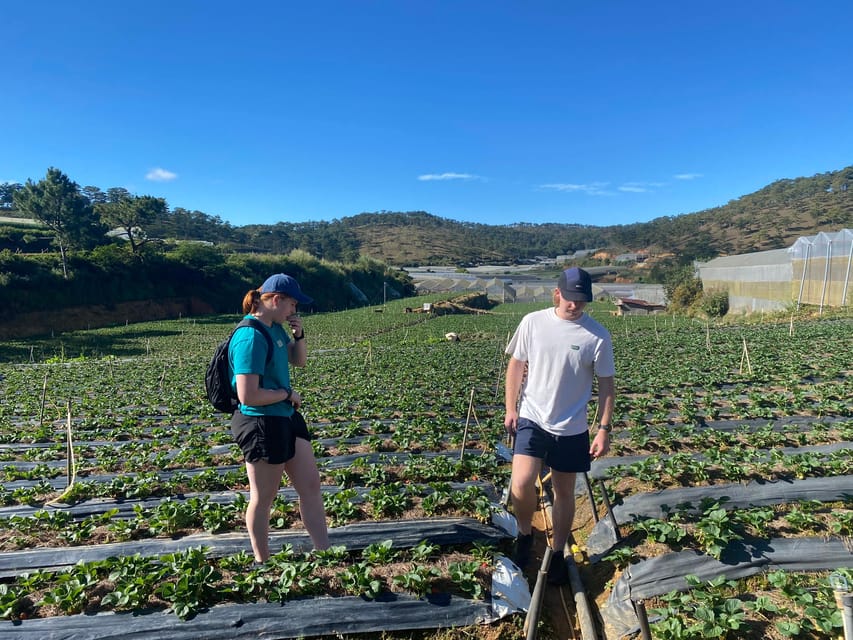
(558, 572)
(523, 547)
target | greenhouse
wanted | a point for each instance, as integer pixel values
(815, 270)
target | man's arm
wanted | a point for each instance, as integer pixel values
(606, 401)
(514, 377)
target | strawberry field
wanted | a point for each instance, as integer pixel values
(122, 494)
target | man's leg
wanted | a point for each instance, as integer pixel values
(264, 481)
(525, 471)
(563, 511)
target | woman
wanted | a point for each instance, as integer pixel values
(267, 424)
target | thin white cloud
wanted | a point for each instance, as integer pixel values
(641, 187)
(159, 174)
(687, 176)
(447, 176)
(591, 189)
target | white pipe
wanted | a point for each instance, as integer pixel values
(847, 277)
(825, 275)
(803, 277)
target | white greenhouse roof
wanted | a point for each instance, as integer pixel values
(759, 258)
(823, 244)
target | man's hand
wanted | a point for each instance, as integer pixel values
(600, 444)
(511, 422)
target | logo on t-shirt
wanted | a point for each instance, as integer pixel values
(575, 347)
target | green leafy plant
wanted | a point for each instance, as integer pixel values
(341, 507)
(464, 576)
(661, 531)
(418, 579)
(715, 530)
(379, 553)
(357, 579)
(191, 584)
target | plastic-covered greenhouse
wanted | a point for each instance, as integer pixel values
(821, 266)
(814, 270)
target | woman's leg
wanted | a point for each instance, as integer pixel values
(305, 477)
(264, 482)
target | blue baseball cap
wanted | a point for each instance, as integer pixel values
(285, 285)
(575, 284)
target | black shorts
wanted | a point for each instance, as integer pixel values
(569, 454)
(271, 439)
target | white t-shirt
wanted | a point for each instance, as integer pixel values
(562, 357)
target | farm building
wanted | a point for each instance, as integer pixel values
(814, 270)
(625, 306)
(494, 287)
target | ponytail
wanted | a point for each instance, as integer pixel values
(251, 301)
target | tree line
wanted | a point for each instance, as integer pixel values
(113, 246)
(770, 218)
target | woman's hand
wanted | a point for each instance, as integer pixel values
(295, 323)
(295, 399)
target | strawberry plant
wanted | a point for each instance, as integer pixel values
(357, 579)
(418, 579)
(464, 576)
(379, 553)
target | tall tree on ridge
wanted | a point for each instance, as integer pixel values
(56, 201)
(130, 214)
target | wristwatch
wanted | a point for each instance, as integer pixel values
(606, 427)
(301, 336)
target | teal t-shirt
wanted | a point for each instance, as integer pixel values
(247, 354)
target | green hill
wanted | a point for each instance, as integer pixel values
(771, 218)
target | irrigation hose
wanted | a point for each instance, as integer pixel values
(844, 601)
(71, 462)
(583, 611)
(531, 621)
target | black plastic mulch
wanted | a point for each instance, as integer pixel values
(404, 533)
(741, 559)
(293, 619)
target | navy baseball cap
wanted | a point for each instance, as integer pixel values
(575, 284)
(285, 285)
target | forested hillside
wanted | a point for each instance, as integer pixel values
(771, 218)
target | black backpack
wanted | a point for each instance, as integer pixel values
(217, 378)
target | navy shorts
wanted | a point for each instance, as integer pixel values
(268, 438)
(569, 454)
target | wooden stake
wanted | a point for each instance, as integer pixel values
(71, 463)
(368, 358)
(71, 466)
(745, 357)
(43, 398)
(467, 421)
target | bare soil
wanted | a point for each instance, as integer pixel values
(40, 323)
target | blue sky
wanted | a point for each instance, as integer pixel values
(603, 112)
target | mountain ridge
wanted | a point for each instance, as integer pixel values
(771, 218)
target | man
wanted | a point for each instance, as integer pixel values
(554, 355)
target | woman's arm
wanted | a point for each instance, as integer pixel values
(249, 391)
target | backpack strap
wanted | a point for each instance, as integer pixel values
(260, 327)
